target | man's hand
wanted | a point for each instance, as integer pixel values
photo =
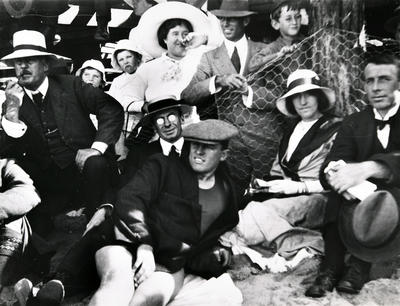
(83, 154)
(232, 81)
(98, 218)
(287, 49)
(14, 94)
(223, 256)
(284, 186)
(343, 177)
(194, 40)
(145, 264)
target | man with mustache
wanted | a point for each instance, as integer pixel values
(47, 129)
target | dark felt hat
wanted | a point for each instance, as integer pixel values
(210, 131)
(370, 229)
(233, 8)
(391, 24)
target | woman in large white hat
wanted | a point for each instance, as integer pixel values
(176, 34)
(295, 203)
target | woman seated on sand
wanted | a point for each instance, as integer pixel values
(295, 204)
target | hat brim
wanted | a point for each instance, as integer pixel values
(281, 102)
(238, 14)
(369, 254)
(201, 140)
(184, 108)
(30, 53)
(391, 24)
(152, 19)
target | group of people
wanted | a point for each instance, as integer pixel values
(159, 210)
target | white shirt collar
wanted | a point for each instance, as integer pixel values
(391, 111)
(166, 146)
(242, 47)
(42, 89)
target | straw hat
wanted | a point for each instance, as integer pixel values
(152, 19)
(370, 229)
(130, 45)
(299, 81)
(233, 8)
(163, 103)
(95, 64)
(27, 43)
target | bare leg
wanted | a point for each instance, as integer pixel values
(158, 289)
(114, 266)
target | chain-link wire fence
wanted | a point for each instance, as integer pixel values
(335, 55)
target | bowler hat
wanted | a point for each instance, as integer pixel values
(370, 229)
(391, 24)
(299, 81)
(210, 131)
(28, 43)
(233, 8)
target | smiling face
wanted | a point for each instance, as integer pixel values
(175, 47)
(31, 71)
(92, 76)
(168, 125)
(306, 106)
(288, 23)
(128, 61)
(381, 81)
(233, 27)
(205, 158)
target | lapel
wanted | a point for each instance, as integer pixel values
(29, 115)
(58, 100)
(223, 64)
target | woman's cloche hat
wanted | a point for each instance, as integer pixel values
(299, 81)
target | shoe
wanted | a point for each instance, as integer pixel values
(23, 291)
(325, 281)
(102, 34)
(51, 294)
(356, 276)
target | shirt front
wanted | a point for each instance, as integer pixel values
(242, 48)
(166, 146)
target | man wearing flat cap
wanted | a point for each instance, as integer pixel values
(46, 127)
(168, 221)
(363, 172)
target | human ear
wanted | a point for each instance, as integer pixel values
(275, 24)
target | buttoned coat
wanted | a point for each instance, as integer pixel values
(160, 206)
(72, 101)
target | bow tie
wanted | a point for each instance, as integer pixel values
(382, 123)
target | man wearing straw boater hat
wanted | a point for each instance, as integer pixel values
(165, 114)
(363, 172)
(47, 129)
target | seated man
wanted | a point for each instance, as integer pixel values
(17, 197)
(165, 115)
(168, 220)
(366, 148)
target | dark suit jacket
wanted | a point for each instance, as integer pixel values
(357, 141)
(160, 206)
(72, 102)
(214, 62)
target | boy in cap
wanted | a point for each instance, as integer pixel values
(285, 18)
(168, 220)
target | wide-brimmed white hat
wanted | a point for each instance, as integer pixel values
(28, 43)
(303, 80)
(130, 45)
(152, 19)
(95, 64)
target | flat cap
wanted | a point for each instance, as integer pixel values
(210, 131)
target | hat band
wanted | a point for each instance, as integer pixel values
(30, 47)
(303, 81)
(161, 104)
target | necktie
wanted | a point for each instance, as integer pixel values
(382, 123)
(173, 152)
(37, 99)
(236, 60)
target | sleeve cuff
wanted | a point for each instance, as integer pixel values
(248, 99)
(13, 129)
(314, 186)
(106, 205)
(100, 146)
(211, 86)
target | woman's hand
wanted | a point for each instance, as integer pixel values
(145, 264)
(194, 40)
(285, 186)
